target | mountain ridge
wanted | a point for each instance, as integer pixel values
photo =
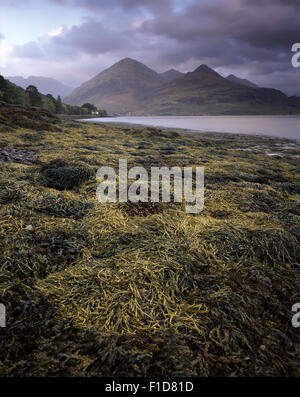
(205, 92)
(130, 87)
(171, 75)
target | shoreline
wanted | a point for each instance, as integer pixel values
(188, 131)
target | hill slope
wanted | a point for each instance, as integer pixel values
(245, 82)
(119, 89)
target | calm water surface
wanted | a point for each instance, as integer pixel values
(276, 126)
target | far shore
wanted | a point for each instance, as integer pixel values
(80, 116)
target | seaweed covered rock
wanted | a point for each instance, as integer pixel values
(61, 176)
(270, 245)
(61, 206)
(151, 132)
(11, 191)
(141, 209)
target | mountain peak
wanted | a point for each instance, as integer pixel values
(203, 72)
(128, 80)
(129, 61)
(129, 65)
(204, 69)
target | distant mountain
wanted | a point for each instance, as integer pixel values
(119, 89)
(131, 87)
(170, 75)
(204, 91)
(45, 85)
(245, 82)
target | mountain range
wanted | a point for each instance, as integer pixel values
(45, 85)
(129, 86)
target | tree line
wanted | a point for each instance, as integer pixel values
(12, 94)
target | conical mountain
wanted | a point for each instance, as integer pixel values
(118, 89)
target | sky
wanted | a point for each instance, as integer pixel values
(73, 40)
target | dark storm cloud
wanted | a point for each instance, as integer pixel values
(215, 28)
(292, 3)
(238, 33)
(91, 37)
(274, 26)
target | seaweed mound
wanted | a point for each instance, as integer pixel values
(59, 175)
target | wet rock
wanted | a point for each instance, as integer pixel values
(18, 156)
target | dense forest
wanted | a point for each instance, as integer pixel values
(31, 97)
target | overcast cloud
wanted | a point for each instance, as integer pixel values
(250, 38)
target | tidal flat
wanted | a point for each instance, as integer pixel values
(143, 289)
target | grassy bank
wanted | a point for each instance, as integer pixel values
(129, 289)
